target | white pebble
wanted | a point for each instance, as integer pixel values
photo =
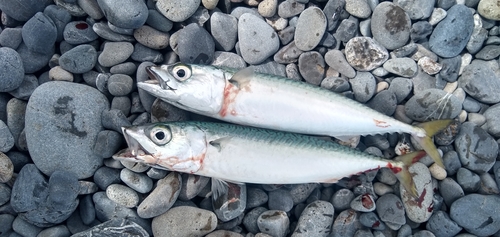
(437, 172)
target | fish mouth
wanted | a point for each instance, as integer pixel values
(156, 79)
(141, 152)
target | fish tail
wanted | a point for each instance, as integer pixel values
(403, 174)
(425, 140)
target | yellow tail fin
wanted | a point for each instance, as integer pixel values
(403, 174)
(431, 128)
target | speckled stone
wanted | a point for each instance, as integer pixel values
(310, 28)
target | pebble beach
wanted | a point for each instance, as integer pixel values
(68, 75)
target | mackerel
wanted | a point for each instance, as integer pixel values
(272, 102)
(240, 154)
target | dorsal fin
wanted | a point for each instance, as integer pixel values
(242, 77)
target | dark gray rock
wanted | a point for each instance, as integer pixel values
(290, 8)
(120, 84)
(79, 59)
(347, 29)
(401, 87)
(144, 54)
(24, 91)
(363, 85)
(121, 103)
(432, 104)
(66, 115)
(114, 119)
(312, 67)
(16, 111)
(390, 210)
(60, 17)
(116, 226)
(480, 82)
(450, 68)
(274, 223)
(11, 37)
(476, 148)
(24, 228)
(107, 143)
(102, 29)
(390, 25)
(477, 213)
(250, 219)
(33, 61)
(280, 199)
(158, 21)
(450, 190)
(106, 176)
(129, 14)
(336, 60)
(492, 115)
(371, 220)
(11, 69)
(23, 10)
(457, 26)
(58, 230)
(39, 33)
(341, 199)
(384, 102)
(193, 44)
(6, 138)
(256, 197)
(468, 180)
(420, 30)
(79, 32)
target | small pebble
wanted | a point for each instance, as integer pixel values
(365, 54)
(363, 85)
(315, 220)
(137, 181)
(274, 223)
(280, 200)
(11, 69)
(128, 14)
(178, 10)
(346, 223)
(120, 84)
(310, 28)
(122, 195)
(476, 148)
(224, 29)
(167, 190)
(312, 67)
(79, 32)
(336, 60)
(390, 25)
(257, 40)
(151, 37)
(404, 67)
(115, 53)
(79, 59)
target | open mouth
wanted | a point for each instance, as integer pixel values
(156, 79)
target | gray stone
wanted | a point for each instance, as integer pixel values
(137, 181)
(11, 69)
(274, 223)
(120, 84)
(341, 199)
(390, 210)
(390, 25)
(102, 29)
(476, 148)
(336, 84)
(441, 225)
(24, 228)
(228, 59)
(250, 219)
(450, 190)
(315, 220)
(121, 103)
(257, 39)
(460, 17)
(193, 44)
(128, 14)
(16, 110)
(289, 8)
(256, 197)
(33, 61)
(311, 27)
(358, 8)
(11, 37)
(280, 200)
(79, 32)
(107, 143)
(79, 59)
(480, 82)
(420, 9)
(114, 119)
(336, 60)
(401, 87)
(286, 35)
(173, 222)
(115, 53)
(91, 7)
(288, 54)
(488, 185)
(477, 213)
(404, 67)
(224, 29)
(178, 10)
(492, 115)
(363, 86)
(122, 195)
(312, 67)
(106, 176)
(192, 185)
(420, 30)
(347, 29)
(69, 115)
(24, 91)
(39, 33)
(162, 197)
(346, 223)
(450, 68)
(116, 226)
(371, 220)
(468, 180)
(384, 102)
(365, 54)
(146, 98)
(60, 17)
(6, 138)
(158, 21)
(151, 37)
(23, 10)
(432, 104)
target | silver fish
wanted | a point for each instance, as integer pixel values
(240, 154)
(278, 103)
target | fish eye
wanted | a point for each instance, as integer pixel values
(160, 136)
(181, 72)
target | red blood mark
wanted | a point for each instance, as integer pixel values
(421, 198)
(230, 92)
(366, 201)
(430, 208)
(368, 170)
(418, 157)
(393, 168)
(381, 124)
(376, 224)
(82, 26)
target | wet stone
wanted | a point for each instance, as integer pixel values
(461, 18)
(173, 222)
(365, 54)
(167, 190)
(310, 28)
(432, 104)
(390, 25)
(477, 213)
(312, 67)
(274, 223)
(476, 148)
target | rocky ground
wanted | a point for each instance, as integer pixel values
(68, 73)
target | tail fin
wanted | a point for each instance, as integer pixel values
(431, 128)
(404, 175)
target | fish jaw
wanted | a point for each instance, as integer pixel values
(160, 84)
(139, 149)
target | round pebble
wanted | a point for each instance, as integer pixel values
(57, 73)
(11, 69)
(178, 10)
(480, 81)
(137, 181)
(312, 67)
(151, 37)
(477, 213)
(79, 32)
(461, 20)
(476, 148)
(167, 190)
(441, 224)
(384, 102)
(468, 180)
(289, 8)
(489, 9)
(315, 220)
(39, 33)
(274, 223)
(6, 168)
(280, 200)
(417, 9)
(122, 195)
(120, 84)
(115, 53)
(310, 28)
(401, 87)
(224, 29)
(363, 85)
(404, 67)
(257, 39)
(390, 210)
(419, 210)
(341, 199)
(390, 25)
(128, 14)
(336, 60)
(193, 44)
(173, 222)
(11, 37)
(79, 59)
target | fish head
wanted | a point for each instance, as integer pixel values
(165, 145)
(197, 88)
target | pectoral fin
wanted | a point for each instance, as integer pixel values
(241, 78)
(219, 188)
(219, 143)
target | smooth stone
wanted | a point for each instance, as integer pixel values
(257, 39)
(24, 228)
(363, 203)
(290, 8)
(384, 102)
(450, 190)
(167, 190)
(419, 9)
(250, 219)
(371, 220)
(122, 195)
(315, 219)
(477, 214)
(192, 186)
(147, 99)
(106, 210)
(286, 35)
(129, 14)
(138, 181)
(476, 148)
(347, 29)
(288, 54)
(115, 53)
(336, 84)
(478, 37)
(16, 110)
(91, 7)
(177, 11)
(11, 37)
(102, 29)
(358, 8)
(336, 60)
(224, 29)
(432, 104)
(312, 67)
(57, 73)
(280, 200)
(79, 32)
(193, 44)
(115, 227)
(121, 103)
(268, 8)
(6, 169)
(468, 180)
(79, 59)
(419, 210)
(390, 25)
(390, 210)
(404, 67)
(460, 17)
(489, 9)
(6, 138)
(429, 66)
(159, 21)
(33, 61)
(420, 30)
(134, 166)
(173, 222)
(256, 197)
(401, 87)
(151, 37)
(58, 230)
(75, 119)
(23, 10)
(346, 223)
(479, 80)
(274, 223)
(231, 204)
(488, 185)
(492, 120)
(60, 17)
(363, 86)
(441, 224)
(23, 92)
(105, 176)
(11, 70)
(310, 28)
(120, 84)
(39, 33)
(365, 54)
